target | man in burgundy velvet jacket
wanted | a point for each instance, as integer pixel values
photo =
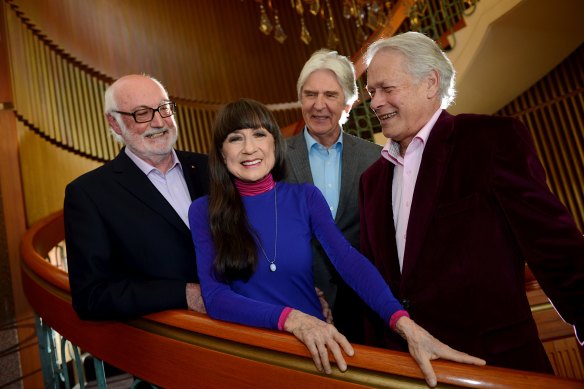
(454, 208)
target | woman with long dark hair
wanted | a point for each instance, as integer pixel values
(252, 238)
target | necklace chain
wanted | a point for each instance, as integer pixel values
(273, 261)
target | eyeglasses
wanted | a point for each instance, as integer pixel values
(145, 115)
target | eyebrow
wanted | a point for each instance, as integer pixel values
(330, 92)
(142, 106)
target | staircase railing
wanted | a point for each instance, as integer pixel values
(182, 348)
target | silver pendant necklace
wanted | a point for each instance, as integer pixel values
(273, 260)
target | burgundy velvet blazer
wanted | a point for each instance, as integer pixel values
(481, 209)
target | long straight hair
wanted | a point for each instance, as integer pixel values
(234, 238)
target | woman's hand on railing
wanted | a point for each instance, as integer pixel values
(320, 338)
(425, 348)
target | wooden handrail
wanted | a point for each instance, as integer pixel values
(36, 244)
(179, 348)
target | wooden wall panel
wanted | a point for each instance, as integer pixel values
(200, 50)
(15, 311)
(46, 170)
(565, 358)
(553, 109)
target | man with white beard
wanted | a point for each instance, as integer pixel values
(129, 247)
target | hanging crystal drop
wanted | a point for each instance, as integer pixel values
(361, 35)
(347, 9)
(299, 7)
(273, 267)
(331, 20)
(332, 40)
(265, 24)
(382, 18)
(414, 20)
(304, 33)
(372, 20)
(279, 33)
(315, 7)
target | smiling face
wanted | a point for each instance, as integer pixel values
(402, 104)
(151, 141)
(323, 105)
(249, 153)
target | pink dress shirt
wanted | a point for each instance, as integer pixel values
(404, 180)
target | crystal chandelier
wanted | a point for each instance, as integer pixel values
(368, 15)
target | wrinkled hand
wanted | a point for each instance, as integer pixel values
(425, 348)
(326, 309)
(194, 298)
(320, 338)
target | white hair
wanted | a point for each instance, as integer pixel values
(111, 105)
(342, 68)
(423, 56)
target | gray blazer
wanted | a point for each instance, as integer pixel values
(358, 155)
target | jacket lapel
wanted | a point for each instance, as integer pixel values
(430, 176)
(349, 176)
(196, 179)
(388, 268)
(299, 166)
(130, 177)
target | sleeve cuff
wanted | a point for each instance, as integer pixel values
(283, 316)
(396, 316)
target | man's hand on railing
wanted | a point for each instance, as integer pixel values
(326, 309)
(425, 348)
(194, 298)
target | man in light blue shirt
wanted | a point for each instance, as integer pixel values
(333, 161)
(325, 165)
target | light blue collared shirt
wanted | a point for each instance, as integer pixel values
(325, 165)
(171, 185)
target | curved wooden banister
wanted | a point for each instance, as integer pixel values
(37, 242)
(180, 348)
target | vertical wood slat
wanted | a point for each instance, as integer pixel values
(68, 112)
(97, 122)
(43, 75)
(93, 126)
(62, 110)
(51, 99)
(553, 109)
(74, 107)
(563, 354)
